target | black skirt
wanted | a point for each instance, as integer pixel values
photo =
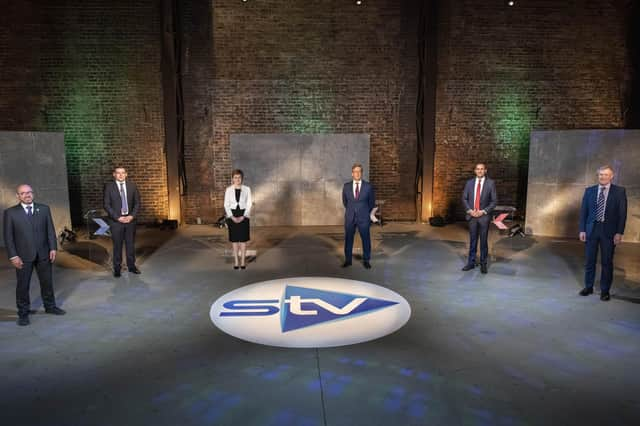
(238, 232)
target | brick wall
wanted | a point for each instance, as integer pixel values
(304, 67)
(504, 71)
(91, 69)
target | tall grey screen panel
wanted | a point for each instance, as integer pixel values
(563, 163)
(297, 179)
(36, 158)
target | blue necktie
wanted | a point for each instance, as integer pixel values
(123, 196)
(29, 212)
(600, 205)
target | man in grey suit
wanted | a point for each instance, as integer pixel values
(30, 239)
(479, 199)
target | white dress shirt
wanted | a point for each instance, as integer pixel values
(124, 186)
(359, 182)
(607, 187)
(475, 189)
(24, 206)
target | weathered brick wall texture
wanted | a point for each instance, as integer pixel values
(504, 71)
(92, 69)
(306, 67)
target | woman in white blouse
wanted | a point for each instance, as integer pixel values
(237, 207)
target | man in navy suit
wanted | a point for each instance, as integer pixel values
(122, 203)
(30, 239)
(479, 199)
(358, 199)
(602, 219)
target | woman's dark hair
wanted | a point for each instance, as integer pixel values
(237, 172)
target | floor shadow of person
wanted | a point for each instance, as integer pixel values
(90, 251)
(504, 249)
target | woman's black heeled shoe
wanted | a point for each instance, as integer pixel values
(243, 267)
(235, 267)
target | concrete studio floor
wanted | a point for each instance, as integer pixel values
(517, 346)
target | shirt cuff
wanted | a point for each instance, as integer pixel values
(14, 257)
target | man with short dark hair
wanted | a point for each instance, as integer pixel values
(30, 240)
(603, 216)
(358, 198)
(479, 199)
(122, 203)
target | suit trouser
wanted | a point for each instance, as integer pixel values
(350, 232)
(44, 270)
(479, 229)
(123, 232)
(598, 240)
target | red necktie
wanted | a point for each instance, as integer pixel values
(357, 191)
(476, 204)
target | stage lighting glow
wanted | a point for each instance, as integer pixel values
(511, 3)
(359, 2)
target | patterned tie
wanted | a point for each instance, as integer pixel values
(357, 191)
(29, 212)
(123, 196)
(476, 204)
(600, 206)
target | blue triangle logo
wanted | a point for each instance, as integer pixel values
(303, 307)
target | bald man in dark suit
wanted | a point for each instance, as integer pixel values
(30, 240)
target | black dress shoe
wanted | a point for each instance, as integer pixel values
(236, 267)
(243, 267)
(586, 291)
(483, 268)
(468, 267)
(135, 270)
(346, 264)
(24, 320)
(116, 273)
(605, 297)
(55, 311)
(366, 264)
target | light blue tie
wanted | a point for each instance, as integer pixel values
(123, 196)
(600, 205)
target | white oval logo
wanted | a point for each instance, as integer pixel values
(310, 312)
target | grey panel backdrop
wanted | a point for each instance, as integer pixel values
(563, 163)
(297, 179)
(36, 158)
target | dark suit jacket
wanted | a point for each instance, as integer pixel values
(113, 202)
(488, 196)
(615, 211)
(26, 237)
(357, 211)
